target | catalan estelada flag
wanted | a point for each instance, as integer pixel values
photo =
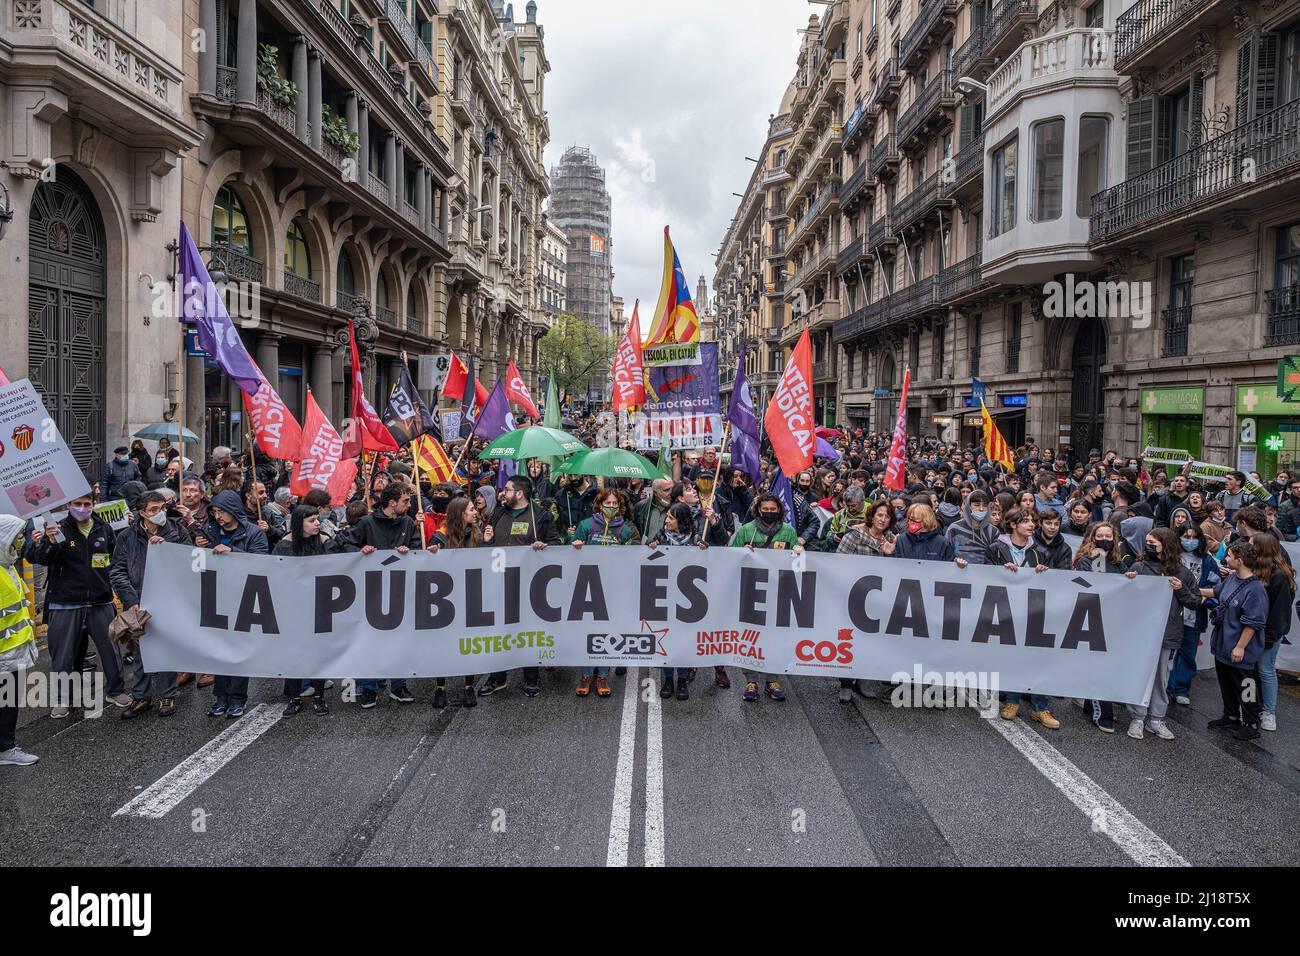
(432, 458)
(995, 446)
(675, 318)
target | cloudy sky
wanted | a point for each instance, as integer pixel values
(671, 96)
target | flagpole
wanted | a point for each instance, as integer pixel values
(180, 378)
(415, 465)
(717, 474)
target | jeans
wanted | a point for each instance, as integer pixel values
(397, 685)
(594, 671)
(293, 686)
(68, 635)
(1180, 681)
(669, 673)
(142, 687)
(1268, 679)
(8, 726)
(531, 677)
(1239, 689)
(231, 690)
(1037, 702)
(1159, 704)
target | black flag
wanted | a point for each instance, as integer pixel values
(406, 416)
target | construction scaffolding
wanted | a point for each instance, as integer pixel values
(580, 206)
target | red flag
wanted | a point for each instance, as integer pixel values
(517, 391)
(364, 431)
(481, 393)
(276, 431)
(321, 464)
(790, 420)
(629, 373)
(898, 447)
(457, 376)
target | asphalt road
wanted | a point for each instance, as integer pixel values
(557, 780)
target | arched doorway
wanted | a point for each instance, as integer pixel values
(1087, 410)
(886, 404)
(67, 327)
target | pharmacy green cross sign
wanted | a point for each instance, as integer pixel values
(1288, 379)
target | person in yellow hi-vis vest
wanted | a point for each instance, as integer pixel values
(17, 641)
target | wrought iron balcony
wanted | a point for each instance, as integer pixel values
(406, 30)
(919, 203)
(301, 286)
(968, 169)
(1002, 27)
(884, 157)
(889, 81)
(1283, 315)
(970, 55)
(236, 264)
(1144, 25)
(1174, 322)
(860, 321)
(855, 187)
(961, 281)
(931, 23)
(415, 323)
(850, 255)
(880, 233)
(937, 94)
(1216, 171)
(348, 301)
(919, 297)
(386, 316)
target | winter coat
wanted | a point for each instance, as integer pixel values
(246, 537)
(127, 571)
(1057, 553)
(924, 546)
(972, 540)
(116, 474)
(1188, 596)
(384, 533)
(78, 564)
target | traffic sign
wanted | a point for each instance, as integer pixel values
(1288, 379)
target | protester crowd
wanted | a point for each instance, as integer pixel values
(1217, 543)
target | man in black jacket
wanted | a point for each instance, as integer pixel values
(518, 523)
(117, 472)
(78, 600)
(152, 525)
(576, 499)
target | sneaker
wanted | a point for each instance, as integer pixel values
(308, 691)
(1105, 724)
(720, 678)
(15, 757)
(620, 671)
(531, 690)
(846, 695)
(369, 699)
(218, 709)
(137, 708)
(291, 708)
(1009, 711)
(602, 687)
(234, 711)
(58, 713)
(119, 700)
(1267, 721)
(1223, 723)
(401, 695)
(668, 688)
(774, 690)
(1246, 732)
(471, 698)
(167, 707)
(1135, 729)
(584, 686)
(319, 706)
(490, 687)
(751, 691)
(1183, 699)
(328, 685)
(683, 690)
(440, 697)
(1160, 729)
(1045, 718)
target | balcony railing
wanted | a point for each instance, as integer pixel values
(227, 83)
(961, 280)
(970, 52)
(1049, 59)
(1174, 322)
(1227, 164)
(378, 188)
(406, 30)
(1145, 21)
(882, 154)
(880, 232)
(889, 81)
(237, 265)
(348, 301)
(860, 320)
(920, 296)
(855, 185)
(301, 286)
(1283, 316)
(415, 324)
(849, 255)
(938, 92)
(927, 24)
(1004, 18)
(918, 203)
(969, 166)
(386, 316)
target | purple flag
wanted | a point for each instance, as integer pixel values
(744, 425)
(825, 449)
(507, 468)
(494, 419)
(203, 305)
(781, 488)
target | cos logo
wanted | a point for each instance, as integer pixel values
(825, 652)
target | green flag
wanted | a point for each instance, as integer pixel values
(665, 462)
(551, 415)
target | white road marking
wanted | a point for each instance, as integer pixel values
(1108, 815)
(620, 821)
(157, 800)
(654, 782)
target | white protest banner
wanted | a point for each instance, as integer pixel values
(37, 471)
(450, 424)
(492, 609)
(114, 512)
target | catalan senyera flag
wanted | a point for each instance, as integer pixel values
(995, 446)
(432, 458)
(675, 318)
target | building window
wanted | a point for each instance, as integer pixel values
(976, 333)
(230, 222)
(1049, 170)
(1182, 273)
(1014, 330)
(940, 334)
(1003, 191)
(1094, 131)
(1095, 15)
(1287, 270)
(297, 257)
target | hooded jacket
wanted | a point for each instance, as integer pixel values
(246, 536)
(384, 533)
(1057, 553)
(78, 564)
(1134, 528)
(924, 546)
(1188, 596)
(972, 540)
(17, 635)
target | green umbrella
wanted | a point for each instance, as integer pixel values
(170, 430)
(535, 441)
(610, 463)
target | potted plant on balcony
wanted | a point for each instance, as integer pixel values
(834, 180)
(334, 130)
(280, 90)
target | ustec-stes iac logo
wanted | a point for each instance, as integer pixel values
(647, 643)
(833, 654)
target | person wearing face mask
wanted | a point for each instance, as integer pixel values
(949, 511)
(1206, 570)
(79, 598)
(611, 525)
(18, 652)
(1237, 641)
(922, 540)
(653, 511)
(1101, 552)
(1162, 557)
(118, 471)
(156, 474)
(152, 525)
(768, 531)
(303, 540)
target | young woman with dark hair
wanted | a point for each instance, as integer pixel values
(303, 540)
(461, 530)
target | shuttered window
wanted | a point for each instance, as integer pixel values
(1258, 60)
(1150, 131)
